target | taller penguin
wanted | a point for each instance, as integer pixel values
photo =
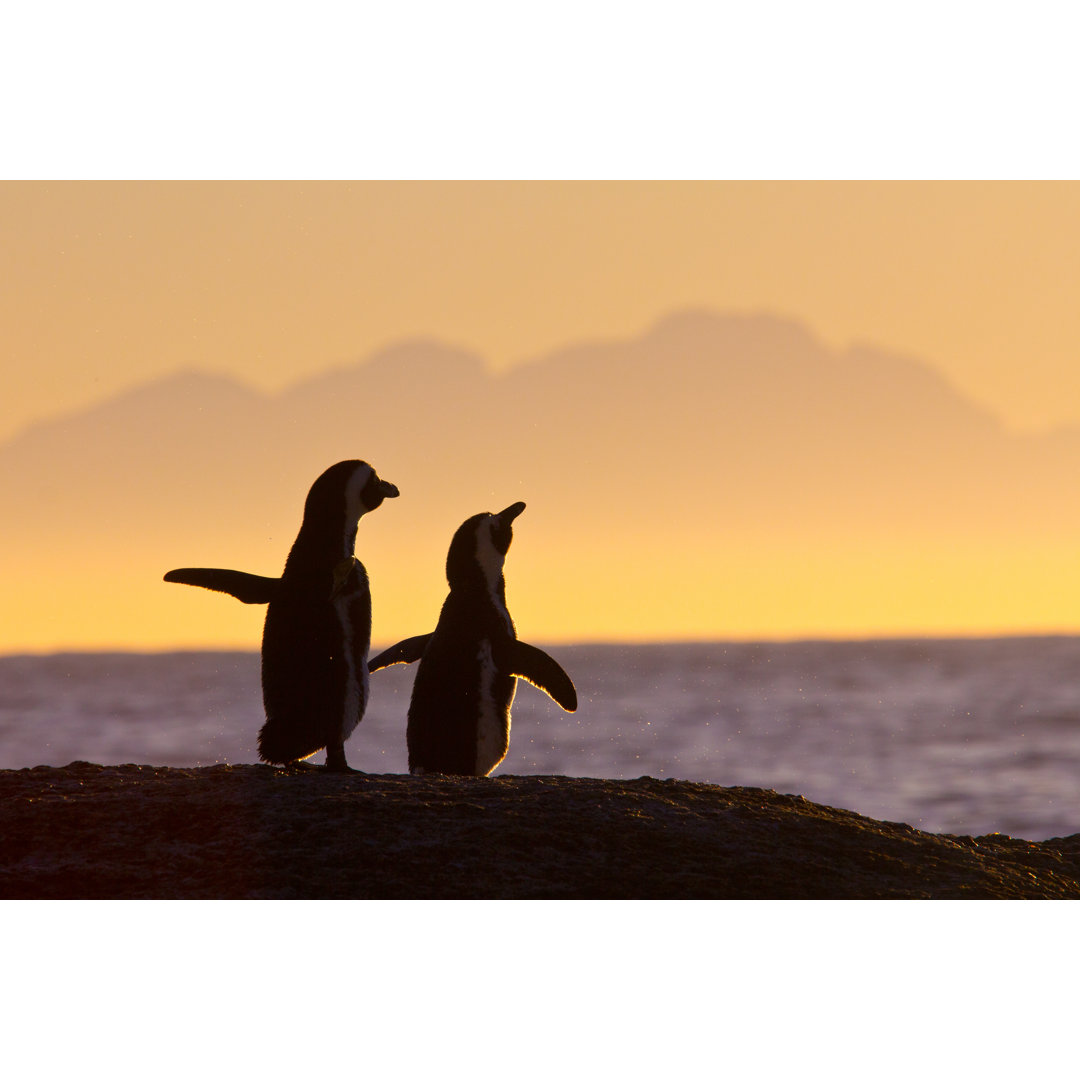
(318, 624)
(459, 715)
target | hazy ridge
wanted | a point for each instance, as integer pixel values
(629, 453)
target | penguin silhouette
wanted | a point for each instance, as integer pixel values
(317, 631)
(459, 714)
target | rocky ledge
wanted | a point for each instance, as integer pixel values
(254, 832)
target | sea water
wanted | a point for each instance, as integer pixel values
(952, 736)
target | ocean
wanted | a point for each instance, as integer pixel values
(951, 736)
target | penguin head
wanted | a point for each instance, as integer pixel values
(478, 549)
(365, 492)
(342, 495)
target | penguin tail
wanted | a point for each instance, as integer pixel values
(276, 748)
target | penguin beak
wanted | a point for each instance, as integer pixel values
(502, 533)
(375, 490)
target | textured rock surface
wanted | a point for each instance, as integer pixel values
(250, 831)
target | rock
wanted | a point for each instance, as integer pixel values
(256, 832)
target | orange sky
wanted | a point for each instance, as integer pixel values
(104, 285)
(108, 285)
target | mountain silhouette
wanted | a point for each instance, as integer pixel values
(646, 464)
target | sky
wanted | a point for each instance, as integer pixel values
(105, 286)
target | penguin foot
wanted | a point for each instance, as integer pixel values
(342, 768)
(335, 758)
(298, 766)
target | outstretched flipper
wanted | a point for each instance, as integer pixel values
(247, 588)
(535, 666)
(404, 652)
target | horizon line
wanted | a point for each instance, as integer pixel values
(822, 638)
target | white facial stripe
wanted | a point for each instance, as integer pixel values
(488, 556)
(491, 561)
(354, 502)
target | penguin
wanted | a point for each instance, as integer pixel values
(317, 631)
(459, 714)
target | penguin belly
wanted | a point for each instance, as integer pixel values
(459, 713)
(493, 702)
(354, 616)
(314, 673)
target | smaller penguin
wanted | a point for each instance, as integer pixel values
(318, 623)
(459, 714)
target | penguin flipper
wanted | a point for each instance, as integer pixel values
(247, 588)
(404, 652)
(545, 673)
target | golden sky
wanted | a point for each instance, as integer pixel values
(104, 286)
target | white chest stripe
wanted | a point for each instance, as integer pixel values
(492, 722)
(350, 706)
